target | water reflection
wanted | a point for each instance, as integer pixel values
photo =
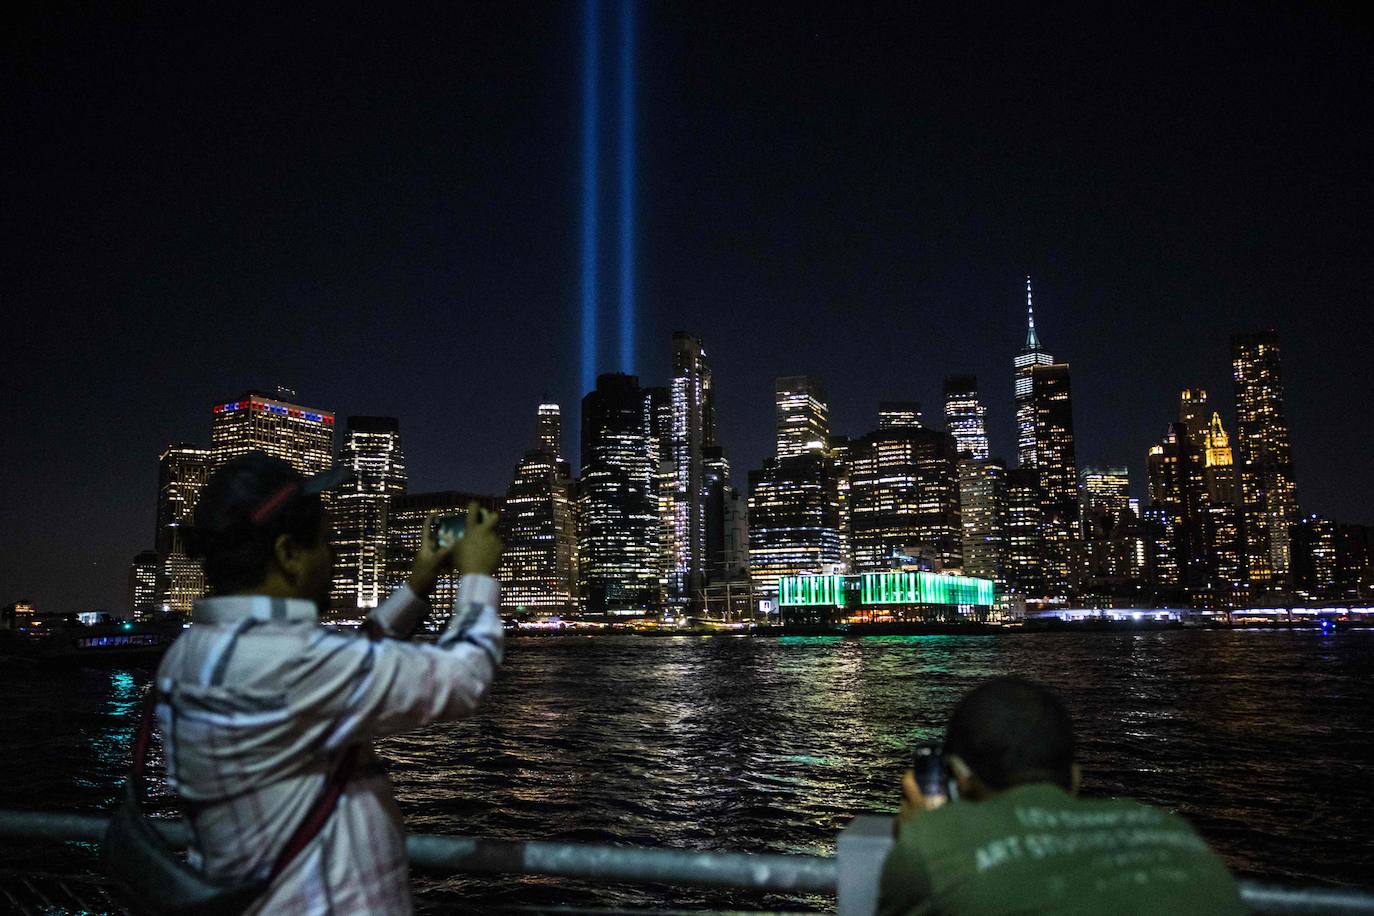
(773, 744)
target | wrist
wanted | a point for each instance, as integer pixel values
(421, 583)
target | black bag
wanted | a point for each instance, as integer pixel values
(158, 881)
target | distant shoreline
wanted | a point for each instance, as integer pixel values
(929, 629)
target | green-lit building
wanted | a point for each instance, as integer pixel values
(884, 597)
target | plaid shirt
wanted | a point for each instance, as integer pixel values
(259, 701)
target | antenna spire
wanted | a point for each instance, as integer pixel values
(1032, 339)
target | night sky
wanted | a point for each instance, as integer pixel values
(380, 209)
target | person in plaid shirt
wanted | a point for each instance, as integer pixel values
(260, 702)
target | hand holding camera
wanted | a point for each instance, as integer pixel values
(467, 543)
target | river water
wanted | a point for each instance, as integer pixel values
(1261, 738)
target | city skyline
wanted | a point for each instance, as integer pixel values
(1199, 504)
(809, 204)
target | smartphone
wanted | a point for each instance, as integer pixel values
(928, 763)
(448, 529)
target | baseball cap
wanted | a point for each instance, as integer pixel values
(256, 494)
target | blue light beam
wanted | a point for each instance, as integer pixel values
(627, 187)
(591, 292)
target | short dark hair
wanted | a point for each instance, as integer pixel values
(1011, 732)
(245, 506)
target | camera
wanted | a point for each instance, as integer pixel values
(928, 764)
(448, 529)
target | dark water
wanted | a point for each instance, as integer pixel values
(1260, 738)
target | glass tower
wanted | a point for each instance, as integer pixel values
(301, 436)
(965, 416)
(372, 451)
(539, 563)
(1267, 484)
(618, 519)
(803, 415)
(1031, 355)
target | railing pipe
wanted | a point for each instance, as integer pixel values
(852, 875)
(758, 871)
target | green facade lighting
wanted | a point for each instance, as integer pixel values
(802, 591)
(887, 588)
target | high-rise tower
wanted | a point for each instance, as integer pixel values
(1055, 459)
(965, 416)
(550, 429)
(1267, 484)
(182, 473)
(538, 565)
(904, 500)
(803, 415)
(793, 520)
(618, 520)
(372, 451)
(301, 436)
(694, 431)
(1031, 355)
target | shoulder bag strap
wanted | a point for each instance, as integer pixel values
(309, 827)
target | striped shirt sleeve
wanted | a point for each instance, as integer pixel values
(364, 688)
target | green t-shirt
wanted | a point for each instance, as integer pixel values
(1037, 849)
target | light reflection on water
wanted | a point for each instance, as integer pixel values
(772, 744)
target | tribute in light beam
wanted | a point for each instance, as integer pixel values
(627, 184)
(591, 293)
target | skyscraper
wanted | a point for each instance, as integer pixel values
(144, 572)
(1031, 355)
(1106, 490)
(983, 514)
(1177, 488)
(182, 473)
(965, 416)
(617, 521)
(1267, 483)
(372, 451)
(1054, 441)
(803, 416)
(1312, 543)
(301, 436)
(694, 431)
(1025, 534)
(904, 500)
(1195, 414)
(550, 430)
(793, 520)
(538, 565)
(719, 497)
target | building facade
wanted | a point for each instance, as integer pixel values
(144, 573)
(1265, 462)
(904, 500)
(983, 516)
(359, 509)
(1031, 355)
(618, 505)
(966, 417)
(539, 565)
(803, 416)
(693, 433)
(182, 473)
(301, 436)
(793, 521)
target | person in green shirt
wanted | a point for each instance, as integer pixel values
(1016, 838)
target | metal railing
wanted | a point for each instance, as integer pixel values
(851, 875)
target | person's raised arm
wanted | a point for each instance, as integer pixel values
(386, 686)
(399, 616)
